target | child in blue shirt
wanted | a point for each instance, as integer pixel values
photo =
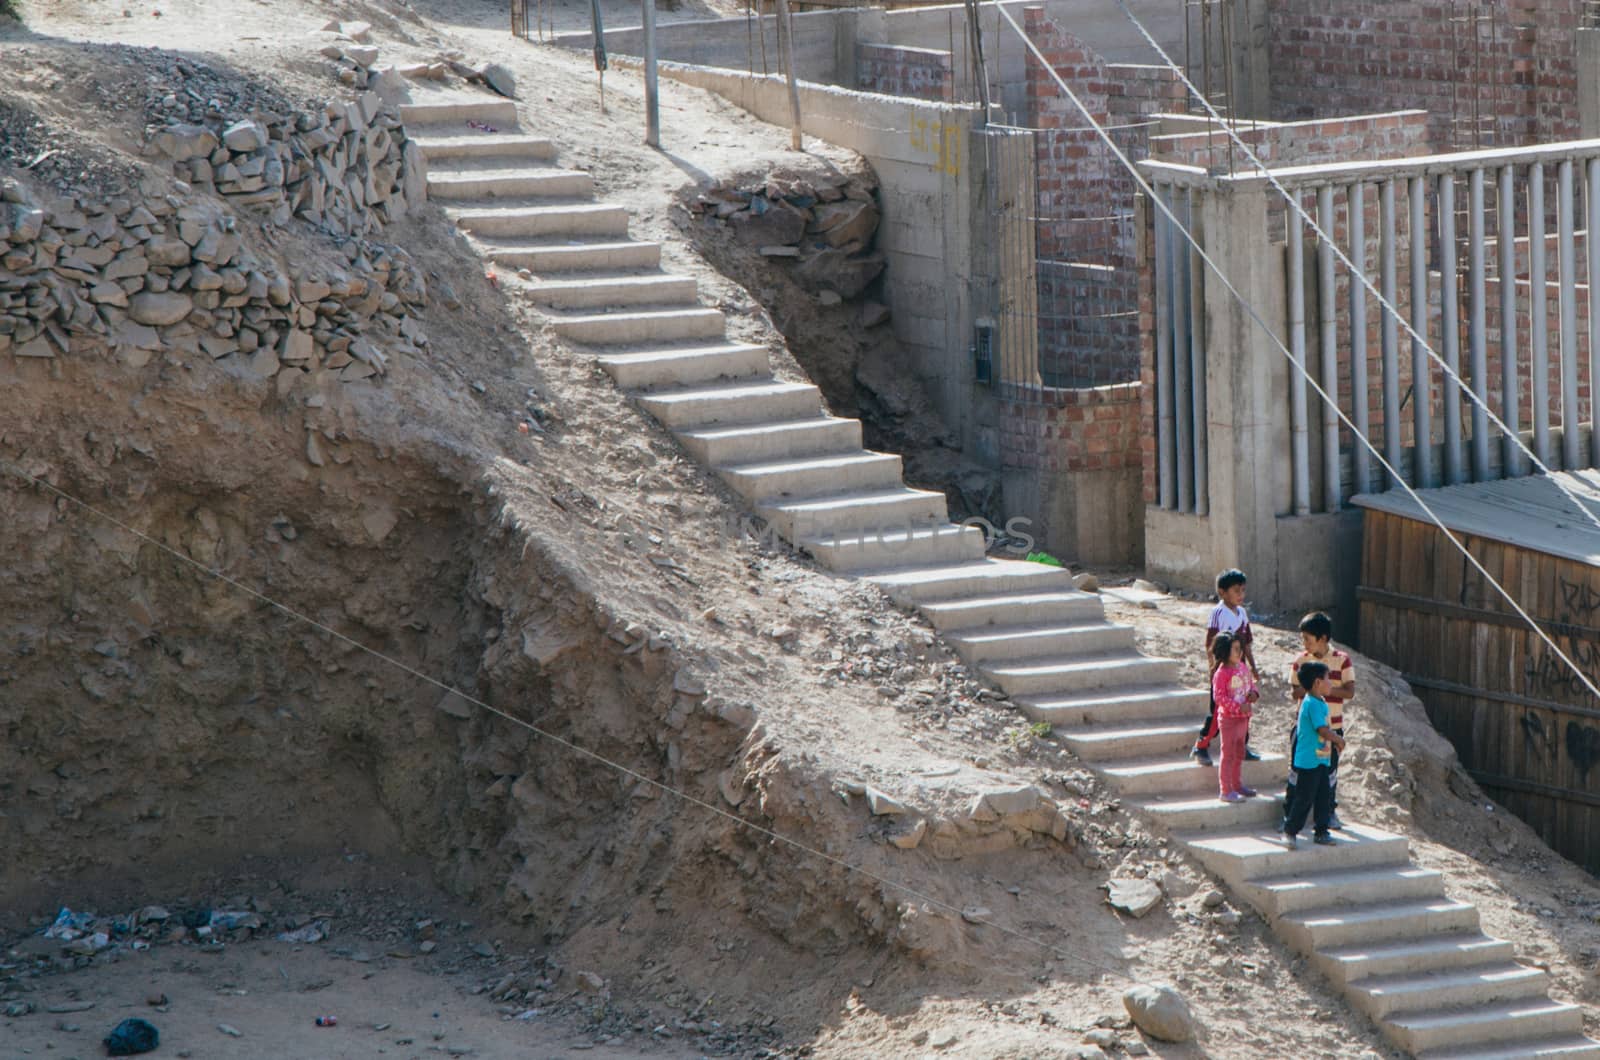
(1314, 742)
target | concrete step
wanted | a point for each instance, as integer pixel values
(685, 365)
(1009, 609)
(882, 549)
(1297, 892)
(642, 325)
(547, 259)
(1565, 1047)
(812, 435)
(806, 520)
(548, 221)
(1383, 996)
(1482, 1025)
(1076, 673)
(481, 145)
(1169, 776)
(1208, 813)
(509, 183)
(817, 476)
(501, 113)
(1115, 708)
(1262, 854)
(732, 403)
(1355, 963)
(992, 643)
(965, 581)
(1149, 738)
(1347, 925)
(596, 292)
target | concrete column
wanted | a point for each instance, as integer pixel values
(1252, 64)
(1247, 417)
(1589, 84)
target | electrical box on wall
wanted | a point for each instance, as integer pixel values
(983, 351)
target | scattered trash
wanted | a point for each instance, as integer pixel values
(327, 1021)
(481, 127)
(155, 1000)
(69, 925)
(230, 920)
(132, 1037)
(315, 931)
(1043, 557)
(232, 1032)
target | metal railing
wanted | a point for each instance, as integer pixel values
(1467, 247)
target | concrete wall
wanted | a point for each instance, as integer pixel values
(929, 178)
(824, 45)
(825, 41)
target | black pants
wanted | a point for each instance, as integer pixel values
(1333, 775)
(1311, 791)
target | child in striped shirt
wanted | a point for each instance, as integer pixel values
(1316, 635)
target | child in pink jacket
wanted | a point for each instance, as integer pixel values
(1233, 689)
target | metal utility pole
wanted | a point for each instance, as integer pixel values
(786, 28)
(652, 98)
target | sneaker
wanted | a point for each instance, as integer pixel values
(1251, 756)
(1201, 755)
(1291, 839)
(1323, 839)
(1249, 793)
(1334, 823)
(1232, 796)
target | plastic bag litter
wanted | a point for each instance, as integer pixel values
(69, 925)
(315, 931)
(229, 919)
(132, 1037)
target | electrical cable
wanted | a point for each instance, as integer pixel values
(1250, 311)
(577, 749)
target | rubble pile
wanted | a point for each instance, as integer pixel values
(825, 229)
(346, 167)
(170, 273)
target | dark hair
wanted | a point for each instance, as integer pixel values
(1229, 578)
(1318, 625)
(1222, 647)
(1311, 673)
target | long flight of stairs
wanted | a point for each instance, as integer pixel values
(1379, 927)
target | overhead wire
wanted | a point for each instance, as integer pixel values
(1255, 316)
(544, 733)
(1306, 218)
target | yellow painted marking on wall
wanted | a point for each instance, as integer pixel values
(939, 139)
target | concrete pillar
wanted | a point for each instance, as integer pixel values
(845, 28)
(1252, 69)
(1589, 84)
(1247, 415)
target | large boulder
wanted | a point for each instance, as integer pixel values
(158, 310)
(1160, 1011)
(500, 79)
(843, 223)
(779, 224)
(834, 269)
(183, 142)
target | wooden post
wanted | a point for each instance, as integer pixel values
(786, 28)
(652, 97)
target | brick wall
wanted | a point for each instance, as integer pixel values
(1088, 289)
(1087, 429)
(920, 73)
(1402, 134)
(1364, 55)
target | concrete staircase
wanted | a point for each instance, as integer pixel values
(1378, 926)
